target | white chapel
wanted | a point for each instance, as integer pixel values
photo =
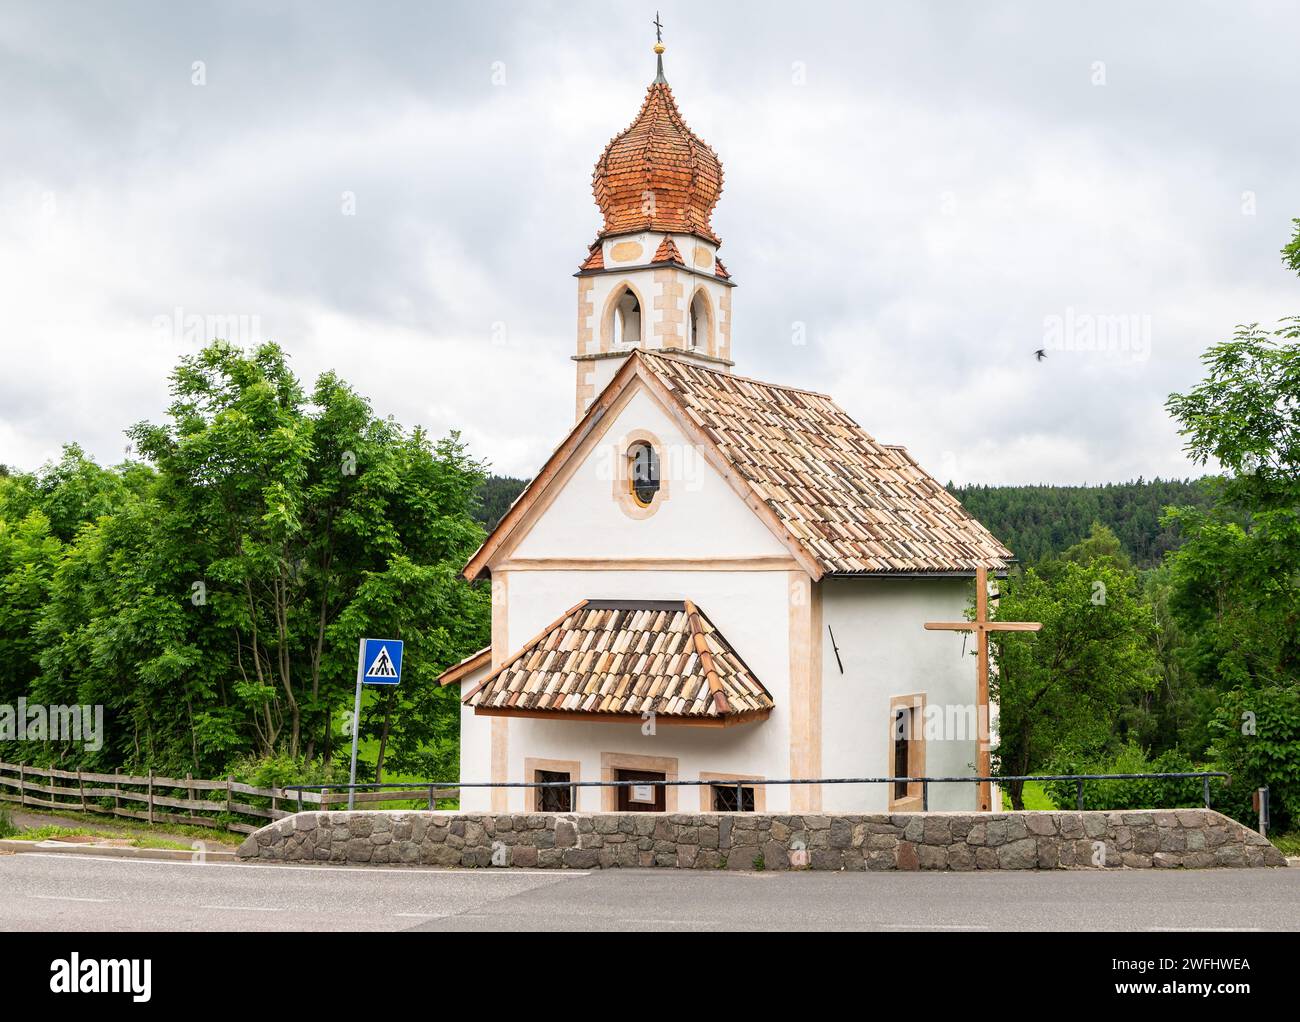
(714, 578)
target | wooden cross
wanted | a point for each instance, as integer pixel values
(981, 626)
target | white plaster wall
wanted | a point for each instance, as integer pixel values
(606, 368)
(475, 748)
(750, 608)
(702, 516)
(878, 626)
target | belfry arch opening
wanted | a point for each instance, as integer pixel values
(701, 323)
(627, 319)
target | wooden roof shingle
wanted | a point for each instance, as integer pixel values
(660, 157)
(624, 658)
(855, 505)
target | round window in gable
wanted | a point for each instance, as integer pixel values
(643, 472)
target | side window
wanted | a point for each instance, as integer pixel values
(724, 799)
(902, 744)
(553, 800)
(906, 750)
(643, 474)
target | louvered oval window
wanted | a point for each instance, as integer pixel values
(643, 473)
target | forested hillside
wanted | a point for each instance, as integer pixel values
(494, 497)
(1036, 522)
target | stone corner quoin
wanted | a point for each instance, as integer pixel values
(1132, 839)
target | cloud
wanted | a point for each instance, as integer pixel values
(941, 188)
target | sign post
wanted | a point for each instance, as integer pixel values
(379, 662)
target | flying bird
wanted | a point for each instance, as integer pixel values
(1040, 354)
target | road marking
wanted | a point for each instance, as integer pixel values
(930, 926)
(240, 908)
(60, 897)
(1203, 929)
(408, 871)
(420, 915)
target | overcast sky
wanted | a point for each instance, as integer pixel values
(925, 193)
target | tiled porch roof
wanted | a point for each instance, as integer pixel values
(618, 659)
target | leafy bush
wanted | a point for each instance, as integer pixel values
(1257, 740)
(1151, 793)
(278, 771)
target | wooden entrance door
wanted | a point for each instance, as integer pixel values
(627, 800)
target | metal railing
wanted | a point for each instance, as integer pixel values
(441, 789)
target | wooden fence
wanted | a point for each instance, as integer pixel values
(152, 797)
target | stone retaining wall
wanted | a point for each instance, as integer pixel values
(1194, 838)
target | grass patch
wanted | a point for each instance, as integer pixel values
(1288, 844)
(368, 749)
(51, 831)
(1035, 797)
(139, 831)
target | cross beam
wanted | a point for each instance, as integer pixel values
(981, 626)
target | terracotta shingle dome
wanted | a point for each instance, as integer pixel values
(658, 175)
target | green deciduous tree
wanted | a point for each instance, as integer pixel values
(213, 603)
(1291, 251)
(1063, 689)
(1235, 581)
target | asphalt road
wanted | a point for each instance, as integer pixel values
(66, 892)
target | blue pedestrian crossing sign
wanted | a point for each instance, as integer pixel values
(380, 662)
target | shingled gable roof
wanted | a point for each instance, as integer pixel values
(668, 253)
(841, 502)
(619, 659)
(856, 505)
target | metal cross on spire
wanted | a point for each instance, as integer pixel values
(659, 48)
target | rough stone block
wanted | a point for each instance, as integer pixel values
(1041, 824)
(936, 830)
(580, 858)
(1094, 824)
(841, 834)
(1019, 854)
(877, 861)
(828, 859)
(961, 858)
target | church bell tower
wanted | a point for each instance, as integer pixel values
(652, 278)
